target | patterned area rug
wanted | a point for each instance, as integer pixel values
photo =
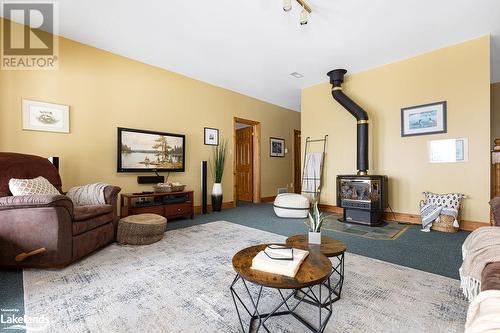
(385, 231)
(181, 284)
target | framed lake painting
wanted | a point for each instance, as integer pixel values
(150, 151)
(48, 117)
(424, 119)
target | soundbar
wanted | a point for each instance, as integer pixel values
(150, 179)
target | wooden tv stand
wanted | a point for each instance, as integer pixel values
(168, 204)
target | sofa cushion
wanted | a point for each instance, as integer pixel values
(86, 212)
(490, 277)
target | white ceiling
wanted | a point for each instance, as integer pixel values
(251, 46)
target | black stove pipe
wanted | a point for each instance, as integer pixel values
(336, 79)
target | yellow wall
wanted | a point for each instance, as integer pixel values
(495, 111)
(105, 91)
(459, 74)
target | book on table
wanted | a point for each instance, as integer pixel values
(279, 260)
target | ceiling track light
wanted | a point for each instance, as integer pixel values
(304, 13)
(303, 16)
(287, 5)
(304, 6)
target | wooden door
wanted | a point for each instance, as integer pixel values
(244, 164)
(297, 172)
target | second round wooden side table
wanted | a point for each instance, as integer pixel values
(331, 248)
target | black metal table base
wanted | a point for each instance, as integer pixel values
(333, 291)
(255, 316)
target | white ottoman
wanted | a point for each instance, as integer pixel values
(291, 205)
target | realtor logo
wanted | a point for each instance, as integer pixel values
(29, 36)
(12, 320)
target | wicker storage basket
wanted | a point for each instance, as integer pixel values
(444, 224)
(168, 188)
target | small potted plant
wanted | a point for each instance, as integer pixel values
(315, 222)
(217, 169)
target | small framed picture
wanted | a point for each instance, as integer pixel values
(211, 136)
(41, 116)
(277, 147)
(423, 119)
(448, 150)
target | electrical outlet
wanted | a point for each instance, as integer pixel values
(282, 190)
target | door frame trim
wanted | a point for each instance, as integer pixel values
(295, 155)
(255, 156)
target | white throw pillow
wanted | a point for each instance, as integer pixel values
(449, 200)
(38, 185)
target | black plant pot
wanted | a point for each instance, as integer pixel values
(216, 203)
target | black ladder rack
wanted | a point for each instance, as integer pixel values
(318, 190)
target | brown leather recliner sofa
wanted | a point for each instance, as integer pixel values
(490, 277)
(33, 222)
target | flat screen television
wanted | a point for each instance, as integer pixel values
(149, 151)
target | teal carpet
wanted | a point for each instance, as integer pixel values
(434, 252)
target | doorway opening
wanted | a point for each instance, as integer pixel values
(297, 183)
(246, 161)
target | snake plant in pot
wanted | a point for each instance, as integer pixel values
(316, 220)
(217, 168)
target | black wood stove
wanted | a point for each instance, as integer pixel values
(363, 197)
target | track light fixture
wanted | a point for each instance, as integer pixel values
(303, 16)
(304, 13)
(287, 5)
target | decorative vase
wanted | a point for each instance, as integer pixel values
(314, 237)
(217, 197)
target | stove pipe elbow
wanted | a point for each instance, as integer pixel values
(336, 80)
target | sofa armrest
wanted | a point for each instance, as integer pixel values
(490, 277)
(111, 194)
(111, 197)
(34, 201)
(495, 208)
(29, 227)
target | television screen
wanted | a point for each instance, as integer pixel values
(142, 151)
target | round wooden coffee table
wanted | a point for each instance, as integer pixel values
(332, 248)
(314, 271)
